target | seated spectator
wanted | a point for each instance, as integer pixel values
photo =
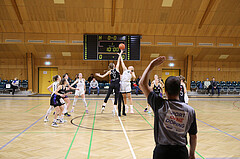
(93, 85)
(207, 85)
(136, 85)
(90, 78)
(214, 86)
(15, 84)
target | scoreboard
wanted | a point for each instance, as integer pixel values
(105, 47)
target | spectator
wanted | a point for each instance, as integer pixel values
(214, 86)
(207, 85)
(137, 85)
(90, 78)
(93, 85)
(15, 84)
(173, 119)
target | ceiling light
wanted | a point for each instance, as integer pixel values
(223, 56)
(167, 3)
(171, 64)
(66, 53)
(59, 1)
(47, 63)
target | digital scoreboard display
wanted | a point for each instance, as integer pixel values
(106, 47)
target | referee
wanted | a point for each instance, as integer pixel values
(173, 118)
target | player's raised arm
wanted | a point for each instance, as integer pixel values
(143, 83)
(123, 65)
(102, 76)
(118, 62)
(74, 83)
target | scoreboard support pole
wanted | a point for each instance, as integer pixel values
(113, 12)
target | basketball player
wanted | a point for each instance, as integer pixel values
(66, 99)
(81, 92)
(54, 85)
(128, 74)
(157, 87)
(183, 90)
(114, 85)
(57, 101)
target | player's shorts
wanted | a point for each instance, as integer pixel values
(56, 100)
(125, 87)
(79, 92)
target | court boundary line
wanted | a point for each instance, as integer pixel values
(218, 129)
(126, 136)
(152, 127)
(21, 133)
(90, 144)
(75, 135)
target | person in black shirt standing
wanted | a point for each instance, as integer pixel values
(173, 118)
(214, 86)
(114, 85)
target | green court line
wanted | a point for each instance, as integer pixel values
(143, 107)
(152, 127)
(75, 134)
(90, 145)
(33, 107)
(39, 132)
(143, 117)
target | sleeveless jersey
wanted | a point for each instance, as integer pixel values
(55, 86)
(156, 88)
(80, 84)
(115, 75)
(126, 76)
(62, 90)
(181, 94)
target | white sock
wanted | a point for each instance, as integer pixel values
(62, 117)
(104, 104)
(49, 110)
(75, 101)
(65, 109)
(84, 101)
(54, 120)
(131, 106)
(115, 107)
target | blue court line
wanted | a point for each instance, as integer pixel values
(21, 133)
(218, 130)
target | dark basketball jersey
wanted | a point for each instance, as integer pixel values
(115, 75)
(181, 94)
(157, 88)
(62, 90)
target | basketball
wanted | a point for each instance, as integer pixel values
(121, 46)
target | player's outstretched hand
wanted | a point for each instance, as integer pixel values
(158, 61)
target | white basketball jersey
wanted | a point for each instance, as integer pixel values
(126, 76)
(81, 84)
(55, 86)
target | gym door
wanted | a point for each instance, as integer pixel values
(45, 75)
(166, 73)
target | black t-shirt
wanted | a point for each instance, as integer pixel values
(173, 120)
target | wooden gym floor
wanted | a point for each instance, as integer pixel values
(24, 134)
